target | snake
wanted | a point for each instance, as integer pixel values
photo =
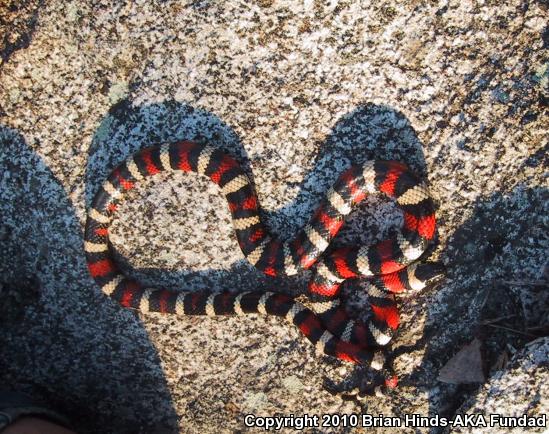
(391, 265)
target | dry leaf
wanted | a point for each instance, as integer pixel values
(465, 366)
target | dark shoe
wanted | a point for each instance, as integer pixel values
(14, 405)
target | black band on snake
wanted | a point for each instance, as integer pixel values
(390, 263)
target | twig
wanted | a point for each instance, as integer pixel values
(510, 329)
(524, 282)
(539, 327)
(493, 320)
(486, 295)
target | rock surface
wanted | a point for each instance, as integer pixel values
(525, 380)
(297, 91)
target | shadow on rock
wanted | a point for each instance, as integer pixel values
(493, 291)
(61, 340)
(369, 132)
(123, 132)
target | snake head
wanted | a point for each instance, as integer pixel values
(430, 272)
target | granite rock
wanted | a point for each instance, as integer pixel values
(297, 91)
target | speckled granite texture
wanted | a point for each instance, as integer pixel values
(297, 91)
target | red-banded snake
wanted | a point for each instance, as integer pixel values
(390, 264)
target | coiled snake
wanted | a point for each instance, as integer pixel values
(390, 263)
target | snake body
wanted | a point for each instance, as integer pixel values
(391, 263)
